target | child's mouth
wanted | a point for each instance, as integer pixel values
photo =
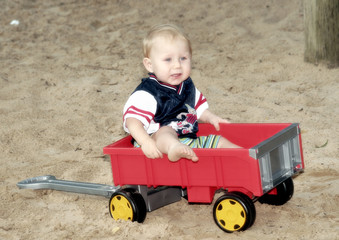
(177, 75)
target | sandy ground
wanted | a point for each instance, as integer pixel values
(68, 67)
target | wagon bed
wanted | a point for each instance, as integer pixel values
(241, 170)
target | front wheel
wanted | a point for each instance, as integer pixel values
(234, 212)
(127, 205)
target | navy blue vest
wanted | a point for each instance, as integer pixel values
(174, 104)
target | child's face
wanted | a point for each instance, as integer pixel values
(169, 60)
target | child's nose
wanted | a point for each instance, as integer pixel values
(177, 63)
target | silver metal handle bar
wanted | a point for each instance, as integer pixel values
(50, 182)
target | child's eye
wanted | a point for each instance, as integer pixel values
(183, 58)
(167, 59)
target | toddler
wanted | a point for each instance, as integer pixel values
(162, 113)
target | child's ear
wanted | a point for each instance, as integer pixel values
(148, 64)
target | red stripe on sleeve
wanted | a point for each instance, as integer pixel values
(139, 112)
(201, 101)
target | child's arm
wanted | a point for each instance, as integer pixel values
(148, 146)
(209, 117)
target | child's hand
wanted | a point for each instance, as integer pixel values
(147, 144)
(209, 117)
(150, 149)
(216, 120)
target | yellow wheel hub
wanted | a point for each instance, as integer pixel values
(121, 208)
(230, 214)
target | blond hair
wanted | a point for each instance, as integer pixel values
(166, 30)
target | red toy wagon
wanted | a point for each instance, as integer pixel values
(262, 170)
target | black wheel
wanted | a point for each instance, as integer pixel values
(252, 210)
(234, 212)
(284, 194)
(141, 207)
(127, 205)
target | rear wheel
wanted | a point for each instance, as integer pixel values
(234, 212)
(284, 192)
(127, 205)
(251, 208)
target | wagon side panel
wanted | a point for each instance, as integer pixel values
(230, 169)
(129, 169)
(241, 173)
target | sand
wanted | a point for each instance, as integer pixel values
(68, 67)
